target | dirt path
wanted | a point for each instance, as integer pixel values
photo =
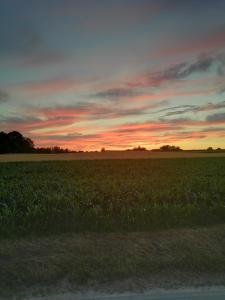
(216, 293)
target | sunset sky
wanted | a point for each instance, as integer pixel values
(86, 74)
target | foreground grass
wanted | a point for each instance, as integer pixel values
(110, 195)
(83, 260)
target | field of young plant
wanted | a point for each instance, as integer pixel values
(111, 195)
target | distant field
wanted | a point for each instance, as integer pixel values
(108, 155)
(106, 195)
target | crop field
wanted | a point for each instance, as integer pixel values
(110, 195)
(110, 155)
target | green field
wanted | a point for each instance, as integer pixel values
(94, 223)
(110, 195)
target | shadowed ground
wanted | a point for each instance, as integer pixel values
(113, 262)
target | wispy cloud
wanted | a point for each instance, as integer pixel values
(175, 74)
(213, 129)
(216, 117)
(213, 40)
(97, 111)
(194, 108)
(17, 120)
(179, 71)
(50, 117)
(90, 73)
(117, 93)
(130, 134)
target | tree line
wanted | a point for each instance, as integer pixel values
(15, 142)
(163, 148)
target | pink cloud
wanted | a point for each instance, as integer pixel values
(215, 40)
(130, 135)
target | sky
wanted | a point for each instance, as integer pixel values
(87, 74)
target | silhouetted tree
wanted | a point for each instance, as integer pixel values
(55, 149)
(170, 148)
(4, 143)
(15, 142)
(209, 149)
(139, 148)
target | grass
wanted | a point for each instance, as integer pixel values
(84, 260)
(110, 195)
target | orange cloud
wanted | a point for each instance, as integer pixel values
(130, 135)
